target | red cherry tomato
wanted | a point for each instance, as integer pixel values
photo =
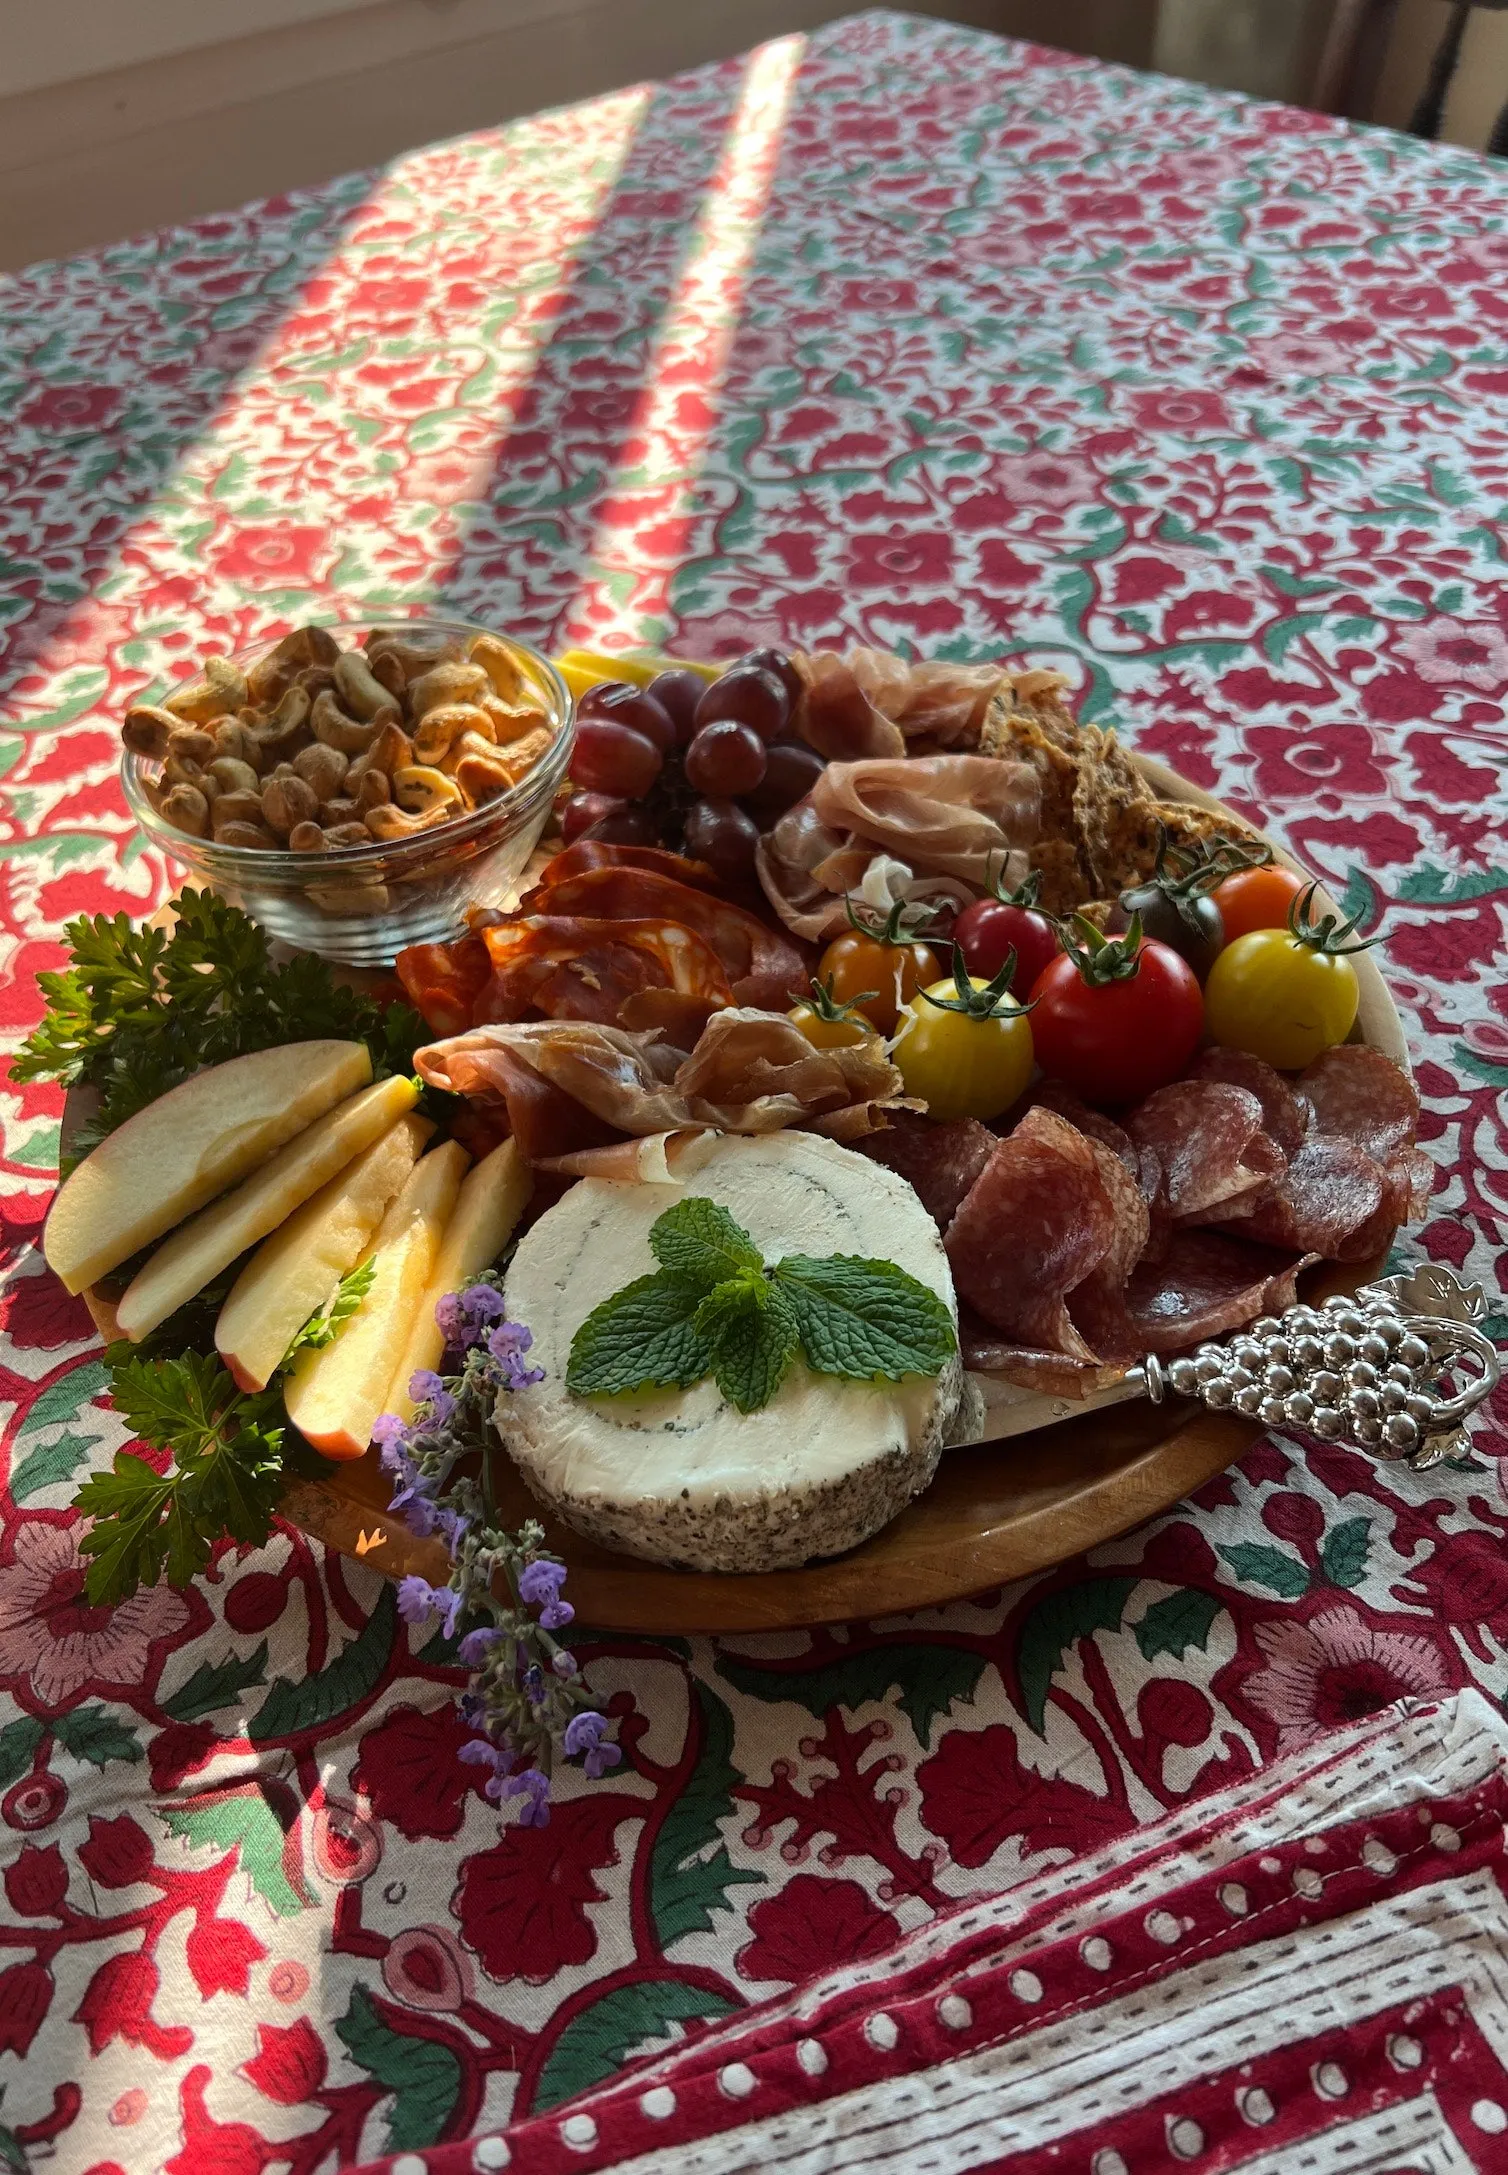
(1113, 1040)
(986, 931)
(1257, 898)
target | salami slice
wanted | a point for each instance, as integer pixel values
(1363, 1097)
(1331, 1192)
(1097, 1307)
(1208, 1137)
(1036, 1222)
(941, 1162)
(985, 1351)
(1284, 1118)
(1206, 1285)
(1140, 1160)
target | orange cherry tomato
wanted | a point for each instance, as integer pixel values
(875, 977)
(1257, 898)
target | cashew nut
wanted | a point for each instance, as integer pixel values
(220, 689)
(364, 696)
(499, 664)
(340, 810)
(331, 725)
(306, 837)
(511, 721)
(234, 738)
(235, 808)
(419, 789)
(350, 833)
(147, 728)
(390, 823)
(270, 675)
(373, 790)
(439, 727)
(414, 651)
(187, 810)
(322, 768)
(287, 802)
(481, 773)
(245, 834)
(233, 776)
(280, 736)
(447, 682)
(390, 750)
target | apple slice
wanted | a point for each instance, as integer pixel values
(191, 1144)
(294, 1273)
(489, 1205)
(334, 1394)
(210, 1241)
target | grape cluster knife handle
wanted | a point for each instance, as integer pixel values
(1396, 1368)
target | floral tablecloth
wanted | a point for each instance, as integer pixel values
(902, 334)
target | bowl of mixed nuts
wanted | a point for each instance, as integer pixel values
(355, 787)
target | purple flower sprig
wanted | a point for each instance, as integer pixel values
(526, 1694)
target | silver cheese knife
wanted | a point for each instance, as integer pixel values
(1396, 1368)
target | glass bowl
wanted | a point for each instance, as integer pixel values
(361, 905)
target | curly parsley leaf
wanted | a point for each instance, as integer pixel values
(323, 1328)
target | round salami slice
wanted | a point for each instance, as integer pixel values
(1140, 1160)
(1097, 1307)
(1036, 1222)
(1362, 1096)
(940, 1161)
(1284, 1118)
(1208, 1137)
(1054, 1374)
(1330, 1192)
(1205, 1285)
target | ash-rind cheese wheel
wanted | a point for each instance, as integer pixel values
(678, 1476)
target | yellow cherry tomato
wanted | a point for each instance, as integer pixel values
(1280, 999)
(835, 1030)
(964, 1064)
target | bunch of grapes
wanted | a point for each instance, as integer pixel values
(700, 768)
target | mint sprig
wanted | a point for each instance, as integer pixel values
(716, 1308)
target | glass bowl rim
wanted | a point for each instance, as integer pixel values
(283, 862)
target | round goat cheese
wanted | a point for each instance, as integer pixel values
(679, 1476)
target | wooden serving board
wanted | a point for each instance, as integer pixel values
(995, 1512)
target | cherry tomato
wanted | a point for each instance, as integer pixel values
(1257, 898)
(876, 972)
(965, 1060)
(987, 930)
(1114, 1019)
(1280, 998)
(828, 1024)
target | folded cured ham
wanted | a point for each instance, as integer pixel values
(569, 1087)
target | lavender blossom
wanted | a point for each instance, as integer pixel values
(584, 1734)
(533, 1788)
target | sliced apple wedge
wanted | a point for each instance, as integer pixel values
(489, 1204)
(294, 1273)
(334, 1394)
(210, 1241)
(188, 1146)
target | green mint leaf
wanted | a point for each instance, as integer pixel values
(867, 1320)
(699, 1242)
(324, 1327)
(752, 1330)
(643, 1337)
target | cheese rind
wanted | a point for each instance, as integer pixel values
(677, 1475)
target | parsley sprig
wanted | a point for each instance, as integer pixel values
(715, 1308)
(226, 1446)
(139, 1009)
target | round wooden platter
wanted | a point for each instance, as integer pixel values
(995, 1512)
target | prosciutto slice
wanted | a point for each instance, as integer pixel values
(943, 815)
(1037, 1221)
(871, 702)
(750, 1072)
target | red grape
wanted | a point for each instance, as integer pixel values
(718, 832)
(725, 758)
(582, 810)
(678, 693)
(619, 704)
(791, 771)
(611, 758)
(754, 698)
(779, 667)
(626, 826)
